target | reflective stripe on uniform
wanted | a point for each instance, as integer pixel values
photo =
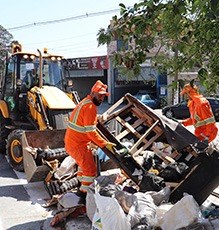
(79, 174)
(84, 188)
(79, 178)
(204, 122)
(79, 109)
(87, 179)
(81, 129)
(86, 182)
(196, 117)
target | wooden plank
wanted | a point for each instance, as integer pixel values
(117, 112)
(172, 184)
(140, 140)
(139, 114)
(126, 124)
(175, 154)
(148, 120)
(153, 139)
(130, 129)
(127, 131)
(138, 151)
(160, 155)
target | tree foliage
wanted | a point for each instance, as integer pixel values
(5, 45)
(183, 34)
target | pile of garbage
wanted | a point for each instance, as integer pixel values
(165, 174)
(110, 205)
(114, 201)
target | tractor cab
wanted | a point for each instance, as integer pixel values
(23, 73)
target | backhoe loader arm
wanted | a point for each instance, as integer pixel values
(42, 109)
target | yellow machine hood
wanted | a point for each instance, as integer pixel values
(56, 98)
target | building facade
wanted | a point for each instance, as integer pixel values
(85, 71)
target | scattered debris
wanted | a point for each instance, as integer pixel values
(157, 162)
(62, 215)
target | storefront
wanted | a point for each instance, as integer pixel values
(85, 72)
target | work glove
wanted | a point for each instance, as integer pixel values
(110, 146)
(102, 118)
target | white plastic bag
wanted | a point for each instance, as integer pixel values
(66, 168)
(182, 214)
(91, 206)
(109, 214)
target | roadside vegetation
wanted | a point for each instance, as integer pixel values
(183, 35)
(5, 41)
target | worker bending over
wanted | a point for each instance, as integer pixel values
(81, 131)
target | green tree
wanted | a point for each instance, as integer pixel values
(183, 33)
(5, 46)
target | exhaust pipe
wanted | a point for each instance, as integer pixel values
(41, 69)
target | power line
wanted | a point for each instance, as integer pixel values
(62, 39)
(63, 20)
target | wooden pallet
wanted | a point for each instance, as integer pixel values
(130, 120)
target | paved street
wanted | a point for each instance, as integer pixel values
(20, 203)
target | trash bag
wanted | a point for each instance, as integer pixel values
(151, 182)
(160, 197)
(68, 200)
(90, 203)
(142, 214)
(184, 213)
(109, 190)
(173, 172)
(125, 199)
(67, 168)
(102, 181)
(109, 215)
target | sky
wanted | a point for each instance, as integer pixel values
(70, 38)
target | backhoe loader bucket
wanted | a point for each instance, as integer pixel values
(33, 140)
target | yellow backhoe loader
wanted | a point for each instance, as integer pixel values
(32, 97)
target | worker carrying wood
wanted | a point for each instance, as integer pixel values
(81, 131)
(201, 115)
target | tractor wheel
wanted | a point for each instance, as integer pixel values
(14, 150)
(3, 133)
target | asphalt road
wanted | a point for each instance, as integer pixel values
(20, 202)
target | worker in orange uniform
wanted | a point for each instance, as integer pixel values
(201, 115)
(81, 131)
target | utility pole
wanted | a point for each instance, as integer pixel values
(176, 78)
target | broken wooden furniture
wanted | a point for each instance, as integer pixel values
(129, 119)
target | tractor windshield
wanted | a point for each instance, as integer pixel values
(29, 72)
(22, 72)
(52, 73)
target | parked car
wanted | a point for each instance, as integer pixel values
(148, 100)
(181, 110)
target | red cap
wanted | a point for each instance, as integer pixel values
(100, 88)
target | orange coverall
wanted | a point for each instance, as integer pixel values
(201, 117)
(80, 132)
